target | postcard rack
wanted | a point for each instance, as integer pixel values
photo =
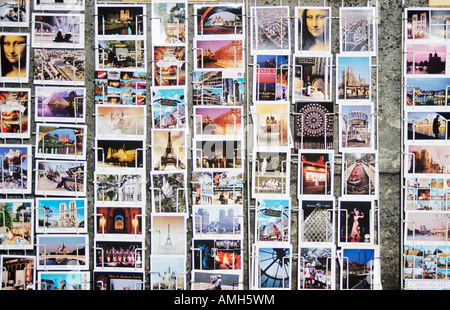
(424, 195)
(165, 162)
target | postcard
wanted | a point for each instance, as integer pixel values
(317, 268)
(64, 281)
(14, 58)
(168, 234)
(353, 81)
(426, 59)
(356, 222)
(314, 125)
(312, 78)
(169, 108)
(59, 66)
(418, 24)
(169, 150)
(115, 189)
(426, 94)
(169, 22)
(358, 27)
(365, 258)
(61, 141)
(167, 272)
(169, 192)
(62, 252)
(15, 113)
(60, 104)
(60, 178)
(428, 227)
(271, 77)
(218, 122)
(271, 125)
(219, 87)
(120, 87)
(273, 220)
(426, 126)
(124, 122)
(438, 24)
(218, 221)
(17, 216)
(270, 29)
(357, 127)
(61, 215)
(113, 154)
(120, 20)
(218, 187)
(213, 54)
(215, 280)
(427, 194)
(14, 13)
(271, 267)
(16, 169)
(169, 65)
(316, 221)
(218, 155)
(313, 29)
(219, 20)
(271, 173)
(52, 30)
(118, 255)
(360, 174)
(121, 222)
(118, 281)
(316, 173)
(18, 272)
(63, 5)
(121, 55)
(427, 159)
(221, 254)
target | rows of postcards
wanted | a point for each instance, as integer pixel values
(425, 248)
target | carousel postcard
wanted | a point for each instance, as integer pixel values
(219, 20)
(15, 13)
(168, 234)
(312, 78)
(64, 281)
(118, 222)
(270, 30)
(214, 54)
(273, 220)
(14, 57)
(15, 108)
(313, 29)
(121, 55)
(215, 122)
(218, 221)
(61, 141)
(169, 65)
(59, 66)
(317, 221)
(169, 108)
(119, 255)
(24, 276)
(16, 176)
(169, 192)
(119, 155)
(60, 178)
(169, 22)
(218, 155)
(271, 173)
(68, 252)
(16, 232)
(61, 215)
(217, 254)
(120, 20)
(60, 104)
(116, 189)
(124, 122)
(60, 31)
